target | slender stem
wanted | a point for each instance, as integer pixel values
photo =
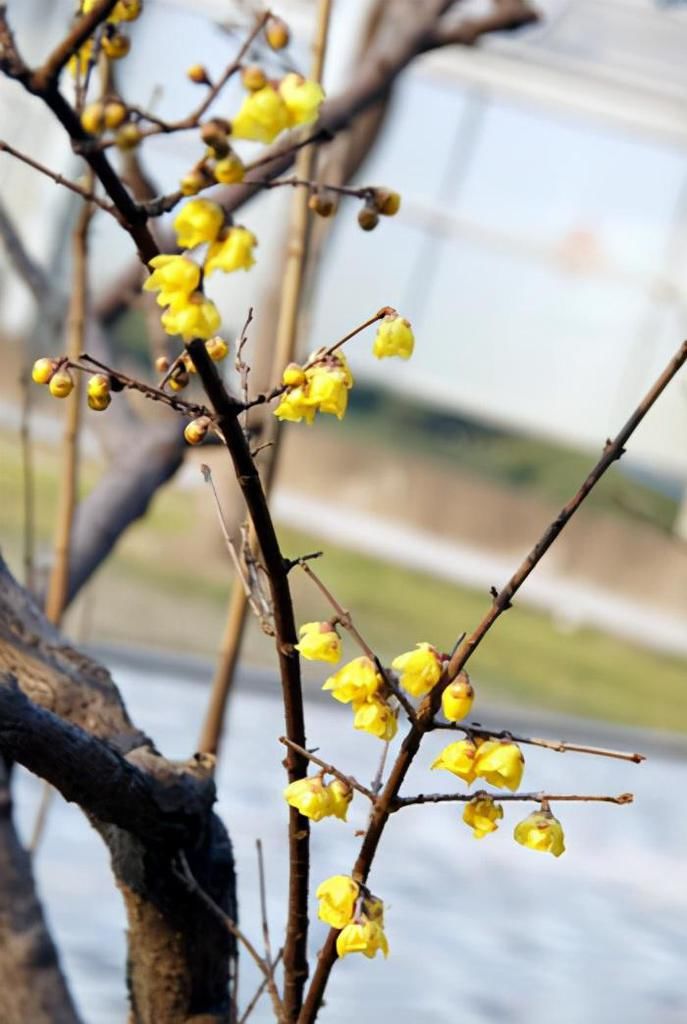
(444, 798)
(154, 394)
(45, 76)
(87, 194)
(612, 450)
(330, 769)
(559, 745)
(261, 988)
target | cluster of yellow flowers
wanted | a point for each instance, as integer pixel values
(348, 906)
(538, 831)
(178, 279)
(55, 373)
(316, 801)
(498, 762)
(359, 684)
(113, 42)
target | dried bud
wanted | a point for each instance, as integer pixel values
(189, 365)
(388, 203)
(214, 134)
(253, 78)
(322, 204)
(128, 137)
(277, 33)
(162, 364)
(93, 118)
(368, 218)
(115, 114)
(197, 73)
(196, 431)
(194, 181)
(116, 45)
(179, 379)
(217, 348)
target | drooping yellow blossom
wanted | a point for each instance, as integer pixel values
(217, 349)
(394, 338)
(311, 797)
(458, 698)
(230, 170)
(295, 406)
(376, 717)
(500, 763)
(419, 670)
(233, 250)
(340, 796)
(293, 376)
(302, 97)
(98, 386)
(200, 220)
(262, 116)
(458, 758)
(175, 277)
(363, 936)
(42, 370)
(358, 680)
(197, 317)
(319, 641)
(327, 390)
(482, 815)
(337, 896)
(541, 831)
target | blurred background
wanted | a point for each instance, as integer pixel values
(541, 255)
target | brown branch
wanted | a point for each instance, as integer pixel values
(259, 991)
(613, 450)
(505, 16)
(329, 769)
(443, 798)
(45, 76)
(558, 745)
(86, 194)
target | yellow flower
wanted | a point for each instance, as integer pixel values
(293, 376)
(98, 386)
(394, 338)
(376, 717)
(337, 896)
(233, 250)
(230, 169)
(327, 390)
(541, 831)
(500, 763)
(340, 796)
(295, 406)
(61, 384)
(302, 97)
(263, 115)
(197, 317)
(356, 681)
(42, 370)
(310, 796)
(458, 698)
(200, 220)
(217, 349)
(420, 670)
(458, 758)
(362, 936)
(319, 642)
(175, 277)
(482, 814)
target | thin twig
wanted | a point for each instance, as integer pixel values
(192, 409)
(261, 988)
(263, 908)
(87, 194)
(44, 77)
(535, 741)
(444, 798)
(329, 769)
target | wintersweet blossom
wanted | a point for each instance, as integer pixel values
(200, 220)
(458, 758)
(337, 896)
(419, 670)
(358, 680)
(340, 796)
(394, 338)
(327, 390)
(500, 763)
(261, 117)
(196, 318)
(302, 98)
(232, 250)
(310, 796)
(541, 831)
(376, 717)
(319, 641)
(482, 815)
(295, 406)
(458, 698)
(362, 936)
(174, 277)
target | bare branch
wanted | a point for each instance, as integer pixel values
(537, 798)
(329, 769)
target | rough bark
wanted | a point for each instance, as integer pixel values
(62, 716)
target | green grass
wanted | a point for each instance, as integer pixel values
(164, 561)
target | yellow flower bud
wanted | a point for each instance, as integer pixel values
(277, 34)
(198, 221)
(196, 431)
(388, 203)
(61, 384)
(99, 403)
(217, 348)
(126, 10)
(368, 218)
(197, 73)
(115, 114)
(457, 699)
(93, 118)
(319, 642)
(162, 364)
(230, 170)
(310, 796)
(337, 896)
(541, 831)
(193, 182)
(356, 681)
(482, 815)
(233, 250)
(362, 936)
(321, 204)
(188, 363)
(459, 759)
(419, 670)
(179, 380)
(302, 97)
(293, 376)
(376, 717)
(340, 796)
(116, 46)
(500, 763)
(253, 77)
(98, 385)
(128, 137)
(394, 338)
(43, 370)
